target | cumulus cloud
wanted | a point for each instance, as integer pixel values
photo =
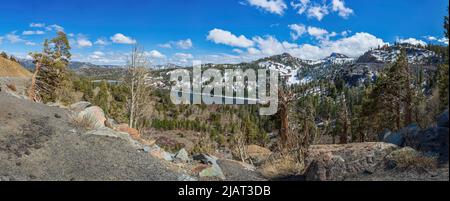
(37, 25)
(273, 6)
(352, 46)
(318, 33)
(319, 9)
(83, 41)
(220, 36)
(28, 33)
(180, 44)
(122, 39)
(154, 54)
(102, 42)
(300, 6)
(14, 38)
(103, 58)
(239, 51)
(433, 38)
(184, 44)
(182, 59)
(55, 27)
(165, 45)
(339, 6)
(29, 43)
(297, 30)
(318, 12)
(444, 40)
(412, 41)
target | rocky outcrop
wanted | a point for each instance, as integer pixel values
(210, 167)
(432, 141)
(80, 106)
(94, 114)
(335, 162)
(126, 129)
(182, 156)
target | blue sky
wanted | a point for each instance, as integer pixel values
(179, 31)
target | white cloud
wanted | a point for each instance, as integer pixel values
(444, 40)
(346, 33)
(253, 51)
(318, 33)
(29, 43)
(103, 58)
(184, 55)
(272, 6)
(55, 27)
(239, 51)
(37, 25)
(38, 32)
(184, 44)
(99, 53)
(182, 58)
(180, 44)
(154, 54)
(352, 46)
(320, 9)
(412, 41)
(220, 36)
(122, 39)
(317, 12)
(301, 6)
(297, 30)
(339, 6)
(431, 38)
(1, 39)
(101, 42)
(13, 38)
(82, 41)
(165, 45)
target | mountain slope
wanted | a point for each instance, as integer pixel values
(38, 142)
(10, 68)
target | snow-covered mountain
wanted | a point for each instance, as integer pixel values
(389, 54)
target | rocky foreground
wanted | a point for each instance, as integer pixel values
(53, 142)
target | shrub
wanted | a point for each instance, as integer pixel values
(84, 123)
(408, 158)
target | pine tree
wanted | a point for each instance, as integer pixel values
(394, 95)
(50, 74)
(442, 81)
(102, 98)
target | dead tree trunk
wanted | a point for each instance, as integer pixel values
(32, 90)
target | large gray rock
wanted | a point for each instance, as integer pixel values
(158, 152)
(411, 130)
(80, 106)
(395, 138)
(433, 140)
(213, 170)
(335, 162)
(182, 156)
(95, 114)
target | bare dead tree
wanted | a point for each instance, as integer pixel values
(138, 69)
